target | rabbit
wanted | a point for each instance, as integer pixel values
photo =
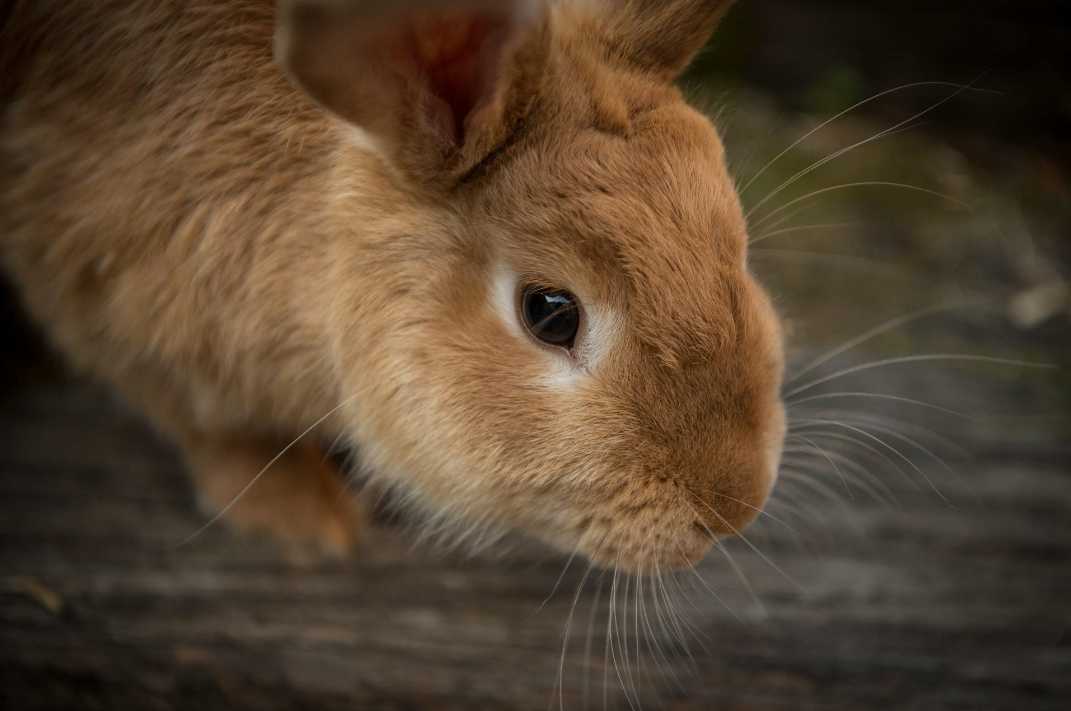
(489, 245)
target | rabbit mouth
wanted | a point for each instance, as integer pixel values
(665, 523)
(630, 548)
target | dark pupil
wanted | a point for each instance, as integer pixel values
(552, 316)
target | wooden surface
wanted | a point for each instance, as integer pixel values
(915, 602)
(908, 604)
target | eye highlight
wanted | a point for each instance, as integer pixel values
(551, 315)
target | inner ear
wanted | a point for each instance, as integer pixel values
(457, 55)
(432, 82)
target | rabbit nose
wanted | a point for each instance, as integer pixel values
(734, 497)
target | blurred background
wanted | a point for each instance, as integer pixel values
(916, 554)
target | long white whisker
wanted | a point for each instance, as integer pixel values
(871, 334)
(912, 442)
(641, 668)
(245, 489)
(801, 228)
(679, 625)
(860, 184)
(739, 572)
(845, 112)
(609, 652)
(612, 626)
(848, 260)
(654, 644)
(756, 509)
(897, 128)
(881, 455)
(825, 454)
(624, 645)
(879, 396)
(897, 452)
(713, 593)
(565, 636)
(863, 478)
(819, 163)
(561, 577)
(592, 614)
(953, 357)
(750, 545)
(872, 419)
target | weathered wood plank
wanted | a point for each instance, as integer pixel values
(914, 605)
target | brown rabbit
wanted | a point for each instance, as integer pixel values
(486, 243)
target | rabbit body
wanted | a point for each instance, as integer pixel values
(251, 258)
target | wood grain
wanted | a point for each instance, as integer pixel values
(916, 604)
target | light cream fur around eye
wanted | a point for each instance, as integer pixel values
(559, 372)
(602, 329)
(596, 340)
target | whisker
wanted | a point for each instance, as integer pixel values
(245, 489)
(849, 260)
(565, 636)
(663, 628)
(936, 357)
(879, 396)
(654, 645)
(624, 647)
(827, 493)
(871, 334)
(749, 544)
(558, 582)
(871, 419)
(711, 590)
(642, 668)
(837, 116)
(881, 455)
(608, 657)
(863, 478)
(610, 640)
(786, 218)
(893, 449)
(861, 184)
(819, 163)
(684, 624)
(777, 499)
(739, 572)
(910, 441)
(803, 507)
(802, 228)
(815, 484)
(681, 627)
(892, 130)
(756, 509)
(613, 625)
(592, 614)
(825, 454)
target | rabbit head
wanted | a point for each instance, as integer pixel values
(568, 340)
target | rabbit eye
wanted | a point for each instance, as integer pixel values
(551, 315)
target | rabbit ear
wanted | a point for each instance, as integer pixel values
(437, 84)
(661, 36)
